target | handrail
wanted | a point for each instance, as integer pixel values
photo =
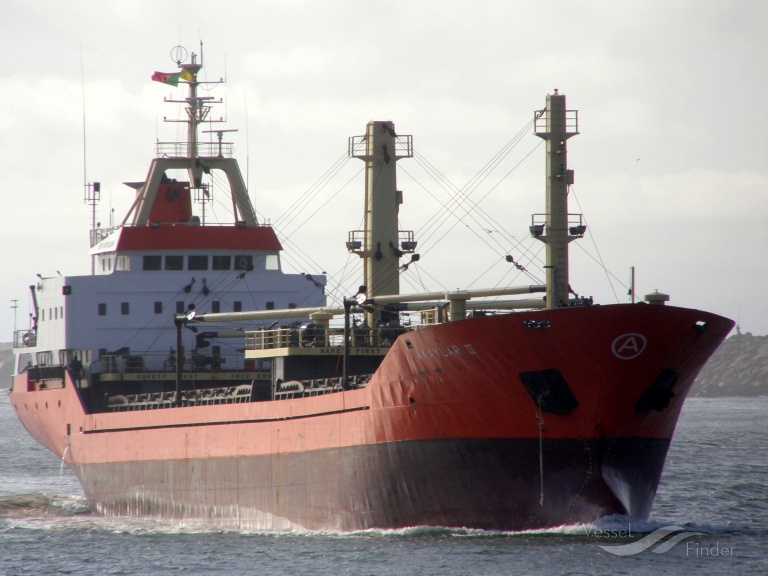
(204, 149)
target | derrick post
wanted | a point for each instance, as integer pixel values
(379, 244)
(555, 124)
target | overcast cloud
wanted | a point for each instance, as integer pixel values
(671, 163)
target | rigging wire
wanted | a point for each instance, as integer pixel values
(488, 225)
(296, 256)
(461, 199)
(599, 259)
(301, 203)
(461, 207)
(461, 195)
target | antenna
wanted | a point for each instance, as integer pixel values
(14, 306)
(179, 54)
(247, 144)
(82, 86)
(91, 194)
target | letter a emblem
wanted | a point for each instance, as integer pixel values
(628, 346)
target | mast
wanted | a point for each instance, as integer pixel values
(381, 244)
(193, 156)
(197, 113)
(557, 228)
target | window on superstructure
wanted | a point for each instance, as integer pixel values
(125, 308)
(215, 306)
(197, 262)
(158, 307)
(102, 309)
(174, 263)
(25, 362)
(122, 263)
(291, 305)
(61, 312)
(42, 315)
(272, 262)
(222, 262)
(270, 305)
(237, 306)
(243, 262)
(153, 263)
(180, 307)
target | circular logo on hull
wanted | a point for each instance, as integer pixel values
(628, 346)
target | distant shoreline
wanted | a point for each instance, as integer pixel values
(739, 368)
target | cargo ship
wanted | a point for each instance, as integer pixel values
(189, 378)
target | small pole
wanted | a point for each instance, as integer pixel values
(348, 302)
(179, 321)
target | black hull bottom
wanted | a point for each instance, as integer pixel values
(493, 484)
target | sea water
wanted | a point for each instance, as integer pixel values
(710, 517)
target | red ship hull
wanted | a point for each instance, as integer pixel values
(507, 422)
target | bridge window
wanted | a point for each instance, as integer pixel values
(124, 308)
(215, 306)
(153, 262)
(244, 262)
(237, 306)
(222, 262)
(158, 307)
(197, 263)
(102, 309)
(174, 263)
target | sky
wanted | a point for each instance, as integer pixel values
(671, 162)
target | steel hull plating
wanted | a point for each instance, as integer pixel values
(494, 484)
(495, 423)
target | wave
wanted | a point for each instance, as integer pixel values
(37, 504)
(47, 511)
(606, 527)
(615, 524)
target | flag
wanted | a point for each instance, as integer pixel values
(167, 78)
(186, 75)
